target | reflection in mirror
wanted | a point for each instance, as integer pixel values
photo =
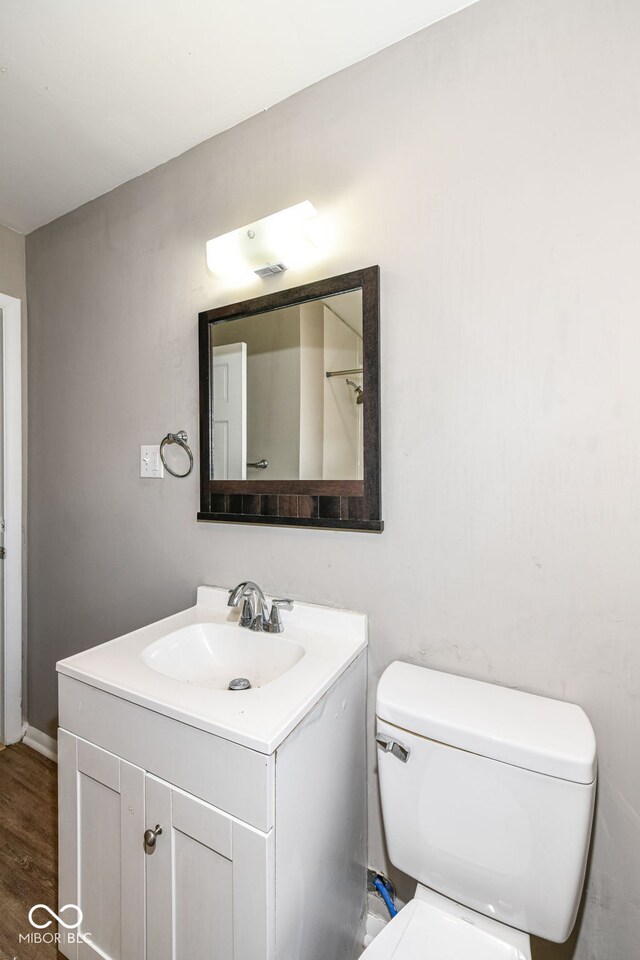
(287, 396)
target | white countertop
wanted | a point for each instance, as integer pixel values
(259, 718)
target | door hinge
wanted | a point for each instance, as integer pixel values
(3, 553)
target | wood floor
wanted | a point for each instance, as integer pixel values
(28, 848)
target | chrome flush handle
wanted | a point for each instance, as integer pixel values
(392, 746)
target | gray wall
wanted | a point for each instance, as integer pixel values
(490, 165)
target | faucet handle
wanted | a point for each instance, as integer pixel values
(248, 612)
(274, 624)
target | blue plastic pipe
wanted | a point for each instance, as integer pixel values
(386, 896)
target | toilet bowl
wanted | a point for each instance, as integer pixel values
(487, 799)
(430, 927)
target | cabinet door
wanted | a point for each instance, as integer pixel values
(101, 856)
(210, 882)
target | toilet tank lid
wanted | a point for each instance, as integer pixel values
(547, 736)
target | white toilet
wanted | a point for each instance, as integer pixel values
(487, 797)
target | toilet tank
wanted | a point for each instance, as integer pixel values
(491, 805)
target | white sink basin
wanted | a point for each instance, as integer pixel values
(213, 654)
(181, 667)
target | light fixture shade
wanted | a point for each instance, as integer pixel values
(267, 246)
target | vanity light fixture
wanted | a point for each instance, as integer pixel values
(266, 247)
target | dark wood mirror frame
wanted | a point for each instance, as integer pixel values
(337, 504)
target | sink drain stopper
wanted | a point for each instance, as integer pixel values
(240, 683)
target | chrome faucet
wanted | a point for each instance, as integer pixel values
(255, 612)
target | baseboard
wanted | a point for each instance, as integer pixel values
(41, 743)
(375, 925)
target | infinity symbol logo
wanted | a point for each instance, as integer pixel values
(55, 916)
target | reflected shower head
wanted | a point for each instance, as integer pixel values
(359, 391)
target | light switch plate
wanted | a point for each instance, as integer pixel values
(150, 462)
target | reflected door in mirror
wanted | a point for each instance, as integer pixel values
(229, 411)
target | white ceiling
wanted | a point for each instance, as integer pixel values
(95, 92)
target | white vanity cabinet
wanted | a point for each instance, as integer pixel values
(189, 893)
(208, 885)
(260, 857)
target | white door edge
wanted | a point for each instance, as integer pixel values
(11, 567)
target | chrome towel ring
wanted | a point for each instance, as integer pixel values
(181, 439)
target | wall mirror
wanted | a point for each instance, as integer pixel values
(290, 406)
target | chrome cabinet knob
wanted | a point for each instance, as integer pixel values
(150, 836)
